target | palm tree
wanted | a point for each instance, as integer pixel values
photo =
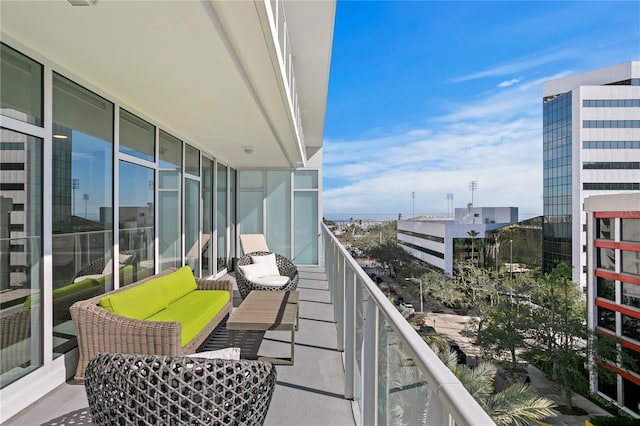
(512, 406)
(473, 234)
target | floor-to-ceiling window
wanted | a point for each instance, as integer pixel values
(278, 211)
(169, 220)
(21, 213)
(192, 238)
(221, 216)
(20, 253)
(82, 202)
(233, 175)
(305, 244)
(250, 201)
(136, 199)
(207, 217)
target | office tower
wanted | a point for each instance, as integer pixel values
(591, 143)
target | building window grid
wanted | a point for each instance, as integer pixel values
(557, 160)
(610, 124)
(611, 103)
(611, 144)
(611, 165)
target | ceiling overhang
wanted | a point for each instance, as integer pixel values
(205, 71)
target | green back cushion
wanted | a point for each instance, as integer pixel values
(194, 311)
(176, 284)
(139, 302)
(64, 291)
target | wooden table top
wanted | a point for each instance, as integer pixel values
(266, 310)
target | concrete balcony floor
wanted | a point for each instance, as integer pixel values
(310, 392)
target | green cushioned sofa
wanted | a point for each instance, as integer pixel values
(170, 313)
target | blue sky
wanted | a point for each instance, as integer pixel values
(426, 96)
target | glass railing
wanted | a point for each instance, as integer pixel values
(278, 21)
(391, 373)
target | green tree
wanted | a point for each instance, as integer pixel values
(512, 406)
(561, 332)
(507, 328)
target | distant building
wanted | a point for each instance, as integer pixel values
(591, 146)
(433, 239)
(613, 289)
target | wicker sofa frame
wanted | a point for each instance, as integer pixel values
(285, 268)
(99, 330)
(150, 390)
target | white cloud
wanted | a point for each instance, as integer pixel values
(496, 140)
(509, 83)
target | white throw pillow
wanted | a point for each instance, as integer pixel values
(269, 260)
(226, 353)
(124, 258)
(272, 280)
(108, 267)
(255, 270)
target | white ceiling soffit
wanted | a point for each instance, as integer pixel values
(202, 69)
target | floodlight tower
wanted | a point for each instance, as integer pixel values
(473, 186)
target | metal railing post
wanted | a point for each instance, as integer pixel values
(369, 410)
(349, 335)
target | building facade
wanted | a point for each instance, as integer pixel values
(591, 144)
(432, 239)
(613, 289)
(151, 133)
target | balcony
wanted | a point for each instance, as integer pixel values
(357, 362)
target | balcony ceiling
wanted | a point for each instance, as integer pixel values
(205, 70)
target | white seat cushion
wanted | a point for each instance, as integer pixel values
(271, 280)
(226, 353)
(84, 277)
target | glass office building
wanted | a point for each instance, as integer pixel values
(591, 146)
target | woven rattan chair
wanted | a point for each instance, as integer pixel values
(97, 266)
(285, 268)
(168, 390)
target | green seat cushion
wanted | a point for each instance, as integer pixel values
(65, 290)
(139, 302)
(176, 284)
(194, 311)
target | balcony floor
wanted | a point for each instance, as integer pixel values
(308, 393)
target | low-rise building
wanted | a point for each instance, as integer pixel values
(613, 293)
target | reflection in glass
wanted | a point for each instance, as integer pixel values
(630, 262)
(631, 327)
(232, 211)
(606, 288)
(137, 222)
(20, 86)
(606, 259)
(403, 392)
(606, 319)
(604, 229)
(278, 211)
(191, 160)
(192, 225)
(306, 227)
(631, 294)
(630, 230)
(306, 179)
(207, 216)
(221, 218)
(82, 236)
(137, 137)
(169, 234)
(20, 253)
